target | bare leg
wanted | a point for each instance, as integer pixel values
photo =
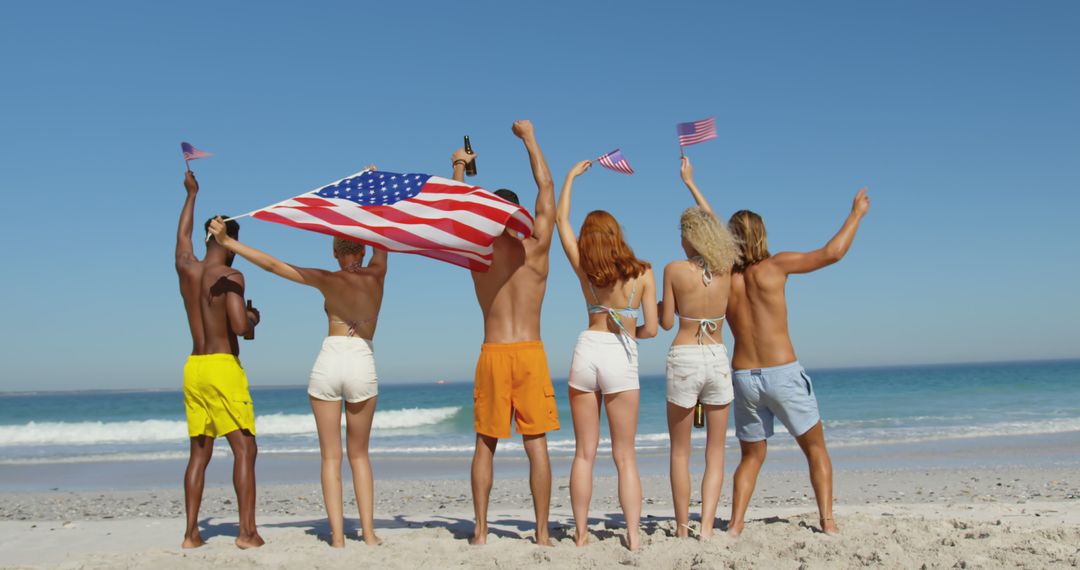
(622, 411)
(680, 422)
(585, 410)
(753, 456)
(244, 451)
(817, 456)
(358, 417)
(328, 424)
(716, 423)
(202, 447)
(482, 474)
(539, 483)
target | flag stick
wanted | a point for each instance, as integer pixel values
(681, 153)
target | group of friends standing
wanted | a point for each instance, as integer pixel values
(728, 275)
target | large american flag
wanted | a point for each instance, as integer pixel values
(409, 213)
(696, 131)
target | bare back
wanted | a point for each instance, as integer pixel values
(757, 315)
(353, 300)
(190, 274)
(221, 296)
(695, 300)
(511, 292)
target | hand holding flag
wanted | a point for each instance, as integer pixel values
(614, 160)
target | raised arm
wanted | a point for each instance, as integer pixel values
(459, 159)
(647, 329)
(544, 216)
(667, 303)
(377, 263)
(835, 250)
(562, 216)
(184, 252)
(302, 275)
(687, 174)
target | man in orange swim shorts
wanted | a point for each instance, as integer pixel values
(512, 378)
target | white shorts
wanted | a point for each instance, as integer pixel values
(345, 369)
(604, 362)
(699, 373)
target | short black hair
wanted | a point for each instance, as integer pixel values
(508, 195)
(232, 227)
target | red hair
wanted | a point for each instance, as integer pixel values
(604, 256)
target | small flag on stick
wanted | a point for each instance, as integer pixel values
(614, 160)
(696, 131)
(192, 153)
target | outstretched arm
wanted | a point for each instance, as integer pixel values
(795, 262)
(562, 216)
(647, 329)
(302, 275)
(377, 263)
(687, 174)
(184, 252)
(544, 218)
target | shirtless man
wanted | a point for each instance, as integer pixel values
(769, 381)
(215, 389)
(512, 378)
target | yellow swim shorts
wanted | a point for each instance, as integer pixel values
(216, 396)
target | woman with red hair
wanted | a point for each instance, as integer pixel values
(604, 369)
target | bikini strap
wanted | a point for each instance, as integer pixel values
(706, 273)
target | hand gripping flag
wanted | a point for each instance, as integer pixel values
(614, 160)
(696, 131)
(192, 153)
(409, 213)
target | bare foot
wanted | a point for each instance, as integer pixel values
(581, 538)
(734, 529)
(478, 538)
(683, 531)
(193, 541)
(542, 539)
(633, 539)
(337, 542)
(246, 542)
(372, 540)
(706, 534)
(828, 526)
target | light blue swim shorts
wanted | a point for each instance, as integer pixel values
(761, 394)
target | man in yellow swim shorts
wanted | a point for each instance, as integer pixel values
(215, 388)
(512, 379)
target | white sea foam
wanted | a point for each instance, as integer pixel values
(150, 431)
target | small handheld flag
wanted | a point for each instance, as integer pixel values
(614, 160)
(192, 153)
(696, 131)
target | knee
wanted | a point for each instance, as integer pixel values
(331, 455)
(358, 453)
(586, 454)
(624, 458)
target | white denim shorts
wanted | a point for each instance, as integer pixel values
(344, 370)
(699, 373)
(604, 362)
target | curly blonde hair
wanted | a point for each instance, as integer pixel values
(709, 238)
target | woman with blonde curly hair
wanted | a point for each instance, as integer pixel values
(604, 369)
(698, 371)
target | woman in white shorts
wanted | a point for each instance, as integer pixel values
(344, 370)
(604, 369)
(696, 294)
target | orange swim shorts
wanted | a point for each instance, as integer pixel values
(512, 381)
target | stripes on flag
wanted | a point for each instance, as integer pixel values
(408, 213)
(614, 160)
(192, 153)
(696, 131)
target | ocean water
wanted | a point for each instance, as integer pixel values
(860, 407)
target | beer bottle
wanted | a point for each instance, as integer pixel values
(250, 334)
(470, 167)
(699, 415)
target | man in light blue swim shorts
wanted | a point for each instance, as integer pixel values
(769, 382)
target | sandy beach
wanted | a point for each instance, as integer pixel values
(932, 518)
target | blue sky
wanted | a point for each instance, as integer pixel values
(961, 117)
